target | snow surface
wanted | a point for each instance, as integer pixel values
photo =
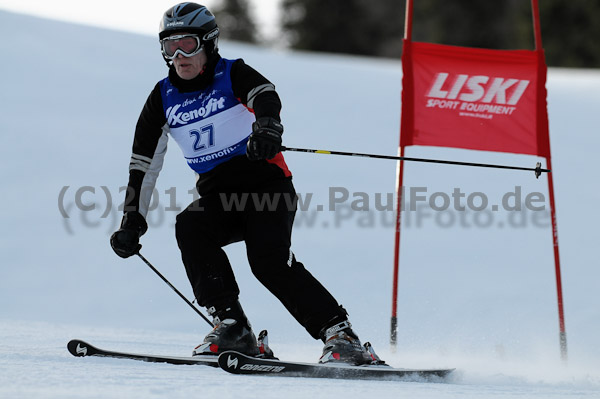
(481, 298)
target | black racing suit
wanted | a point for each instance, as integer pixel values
(221, 215)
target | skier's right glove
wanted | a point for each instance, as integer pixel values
(126, 241)
(265, 140)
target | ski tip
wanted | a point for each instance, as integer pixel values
(231, 361)
(80, 348)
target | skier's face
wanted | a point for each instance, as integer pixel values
(189, 67)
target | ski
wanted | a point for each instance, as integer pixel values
(238, 363)
(81, 348)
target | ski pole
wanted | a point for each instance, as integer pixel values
(173, 288)
(538, 167)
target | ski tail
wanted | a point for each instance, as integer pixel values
(81, 348)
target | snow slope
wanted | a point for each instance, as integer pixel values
(477, 292)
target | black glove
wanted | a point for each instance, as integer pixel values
(126, 241)
(265, 140)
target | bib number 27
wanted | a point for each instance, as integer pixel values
(203, 138)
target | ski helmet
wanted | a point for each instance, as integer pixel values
(192, 18)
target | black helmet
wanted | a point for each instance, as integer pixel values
(192, 18)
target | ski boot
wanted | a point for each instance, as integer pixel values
(376, 359)
(343, 346)
(264, 350)
(232, 331)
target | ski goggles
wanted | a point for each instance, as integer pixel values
(187, 45)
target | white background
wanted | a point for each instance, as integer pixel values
(481, 299)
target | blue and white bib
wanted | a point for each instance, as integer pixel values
(210, 126)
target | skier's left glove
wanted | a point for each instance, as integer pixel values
(126, 241)
(265, 140)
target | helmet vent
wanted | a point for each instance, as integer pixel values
(188, 8)
(193, 18)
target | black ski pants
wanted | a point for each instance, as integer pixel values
(216, 220)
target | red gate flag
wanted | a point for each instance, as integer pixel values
(480, 99)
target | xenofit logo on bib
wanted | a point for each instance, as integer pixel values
(183, 118)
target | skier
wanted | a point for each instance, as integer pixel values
(224, 116)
